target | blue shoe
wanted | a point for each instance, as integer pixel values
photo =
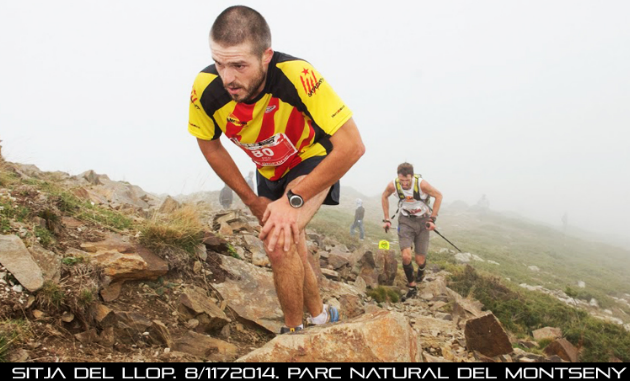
(333, 314)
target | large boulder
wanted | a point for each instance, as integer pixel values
(195, 304)
(122, 260)
(387, 266)
(365, 267)
(250, 292)
(380, 336)
(562, 348)
(486, 335)
(18, 260)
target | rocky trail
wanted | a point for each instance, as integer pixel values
(73, 288)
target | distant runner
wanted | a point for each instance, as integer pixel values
(415, 213)
(359, 215)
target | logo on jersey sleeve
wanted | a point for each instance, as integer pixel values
(310, 83)
(194, 98)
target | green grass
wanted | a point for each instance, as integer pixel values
(50, 296)
(86, 211)
(86, 297)
(7, 178)
(232, 251)
(383, 294)
(516, 245)
(4, 348)
(46, 238)
(13, 332)
(521, 312)
(71, 261)
(9, 211)
(336, 224)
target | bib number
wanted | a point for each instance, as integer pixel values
(271, 152)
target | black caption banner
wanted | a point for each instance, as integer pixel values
(312, 371)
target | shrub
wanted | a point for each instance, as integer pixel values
(50, 296)
(11, 332)
(383, 294)
(179, 230)
(45, 237)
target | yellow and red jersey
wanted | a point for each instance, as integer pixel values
(290, 121)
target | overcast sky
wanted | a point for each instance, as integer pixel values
(527, 102)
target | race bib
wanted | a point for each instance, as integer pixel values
(271, 152)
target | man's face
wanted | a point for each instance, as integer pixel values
(243, 73)
(405, 181)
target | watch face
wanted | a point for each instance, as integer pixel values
(296, 201)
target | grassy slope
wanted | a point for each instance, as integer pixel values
(514, 243)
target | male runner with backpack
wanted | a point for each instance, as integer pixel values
(415, 221)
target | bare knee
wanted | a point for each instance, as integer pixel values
(278, 255)
(406, 256)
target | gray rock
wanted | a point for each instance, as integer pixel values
(251, 294)
(547, 333)
(195, 304)
(48, 262)
(18, 260)
(486, 335)
(159, 334)
(130, 325)
(376, 337)
(169, 205)
(206, 347)
(331, 274)
(562, 348)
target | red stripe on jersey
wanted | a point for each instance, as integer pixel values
(311, 134)
(243, 113)
(295, 126)
(268, 127)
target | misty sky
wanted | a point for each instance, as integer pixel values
(527, 102)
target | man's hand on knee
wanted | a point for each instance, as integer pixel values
(280, 219)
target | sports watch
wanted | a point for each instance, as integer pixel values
(295, 200)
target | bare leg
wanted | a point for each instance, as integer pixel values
(312, 299)
(288, 277)
(293, 276)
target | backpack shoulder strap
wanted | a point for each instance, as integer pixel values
(399, 190)
(416, 187)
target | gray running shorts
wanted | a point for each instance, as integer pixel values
(412, 231)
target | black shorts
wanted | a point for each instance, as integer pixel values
(275, 189)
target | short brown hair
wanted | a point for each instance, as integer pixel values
(405, 169)
(239, 24)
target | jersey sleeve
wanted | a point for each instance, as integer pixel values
(326, 108)
(200, 124)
